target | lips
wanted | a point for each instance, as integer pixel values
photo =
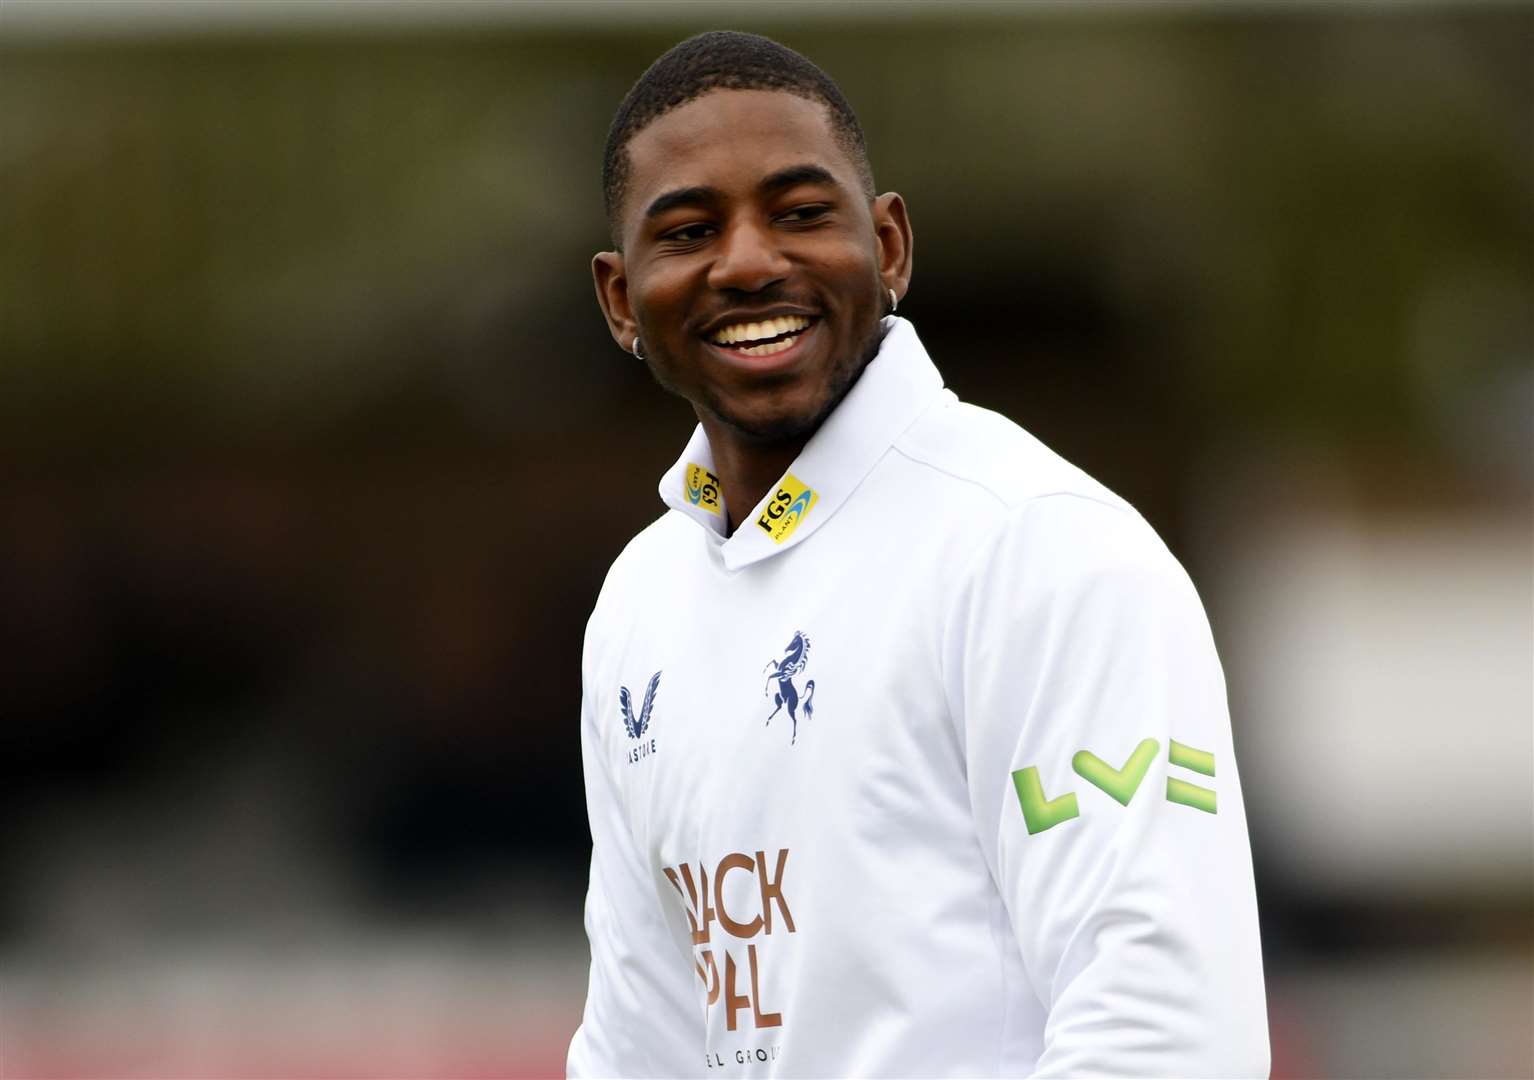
(743, 334)
(763, 337)
(771, 354)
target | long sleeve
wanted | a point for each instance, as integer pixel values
(1104, 788)
(642, 1017)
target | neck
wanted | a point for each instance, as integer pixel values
(747, 470)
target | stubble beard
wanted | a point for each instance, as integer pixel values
(779, 430)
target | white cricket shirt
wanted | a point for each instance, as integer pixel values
(925, 771)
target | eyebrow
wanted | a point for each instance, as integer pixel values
(701, 195)
(689, 196)
(795, 175)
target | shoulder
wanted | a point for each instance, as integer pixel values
(652, 549)
(1032, 512)
(965, 446)
(642, 567)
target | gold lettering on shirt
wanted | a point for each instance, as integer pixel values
(738, 983)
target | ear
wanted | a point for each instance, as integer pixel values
(892, 233)
(613, 297)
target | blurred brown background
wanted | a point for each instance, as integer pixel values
(314, 451)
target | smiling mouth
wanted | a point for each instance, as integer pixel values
(762, 338)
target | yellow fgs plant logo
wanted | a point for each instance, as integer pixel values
(702, 488)
(787, 507)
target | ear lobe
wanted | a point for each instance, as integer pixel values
(613, 296)
(892, 232)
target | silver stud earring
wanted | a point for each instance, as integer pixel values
(894, 301)
(635, 349)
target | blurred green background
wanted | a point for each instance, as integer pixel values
(314, 451)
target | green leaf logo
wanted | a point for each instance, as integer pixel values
(1040, 813)
(1180, 791)
(1119, 783)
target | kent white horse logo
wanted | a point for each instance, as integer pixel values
(782, 673)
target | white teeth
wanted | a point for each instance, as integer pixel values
(767, 349)
(757, 331)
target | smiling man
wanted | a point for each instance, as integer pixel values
(906, 745)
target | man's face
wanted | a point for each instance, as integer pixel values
(754, 267)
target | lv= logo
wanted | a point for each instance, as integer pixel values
(1041, 813)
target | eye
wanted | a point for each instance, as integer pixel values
(689, 234)
(803, 215)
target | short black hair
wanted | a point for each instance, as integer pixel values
(722, 60)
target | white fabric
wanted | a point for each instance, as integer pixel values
(975, 607)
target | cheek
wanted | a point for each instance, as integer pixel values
(660, 296)
(854, 267)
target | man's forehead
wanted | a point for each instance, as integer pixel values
(732, 135)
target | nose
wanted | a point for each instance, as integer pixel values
(749, 259)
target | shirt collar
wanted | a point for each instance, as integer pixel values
(896, 387)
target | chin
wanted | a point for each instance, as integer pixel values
(782, 421)
(778, 428)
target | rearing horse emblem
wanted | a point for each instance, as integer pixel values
(782, 673)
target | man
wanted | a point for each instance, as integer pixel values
(906, 745)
